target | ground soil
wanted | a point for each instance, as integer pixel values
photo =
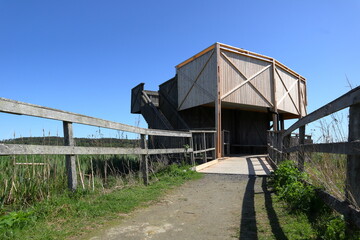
(209, 208)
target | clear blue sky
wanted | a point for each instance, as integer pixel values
(85, 56)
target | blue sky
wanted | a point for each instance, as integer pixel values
(85, 56)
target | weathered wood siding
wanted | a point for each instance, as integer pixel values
(287, 92)
(197, 81)
(236, 69)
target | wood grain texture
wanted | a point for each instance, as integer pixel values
(22, 149)
(21, 108)
(346, 100)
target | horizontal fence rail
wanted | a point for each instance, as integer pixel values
(70, 150)
(345, 101)
(21, 108)
(279, 148)
(22, 149)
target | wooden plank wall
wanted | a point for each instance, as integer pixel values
(136, 98)
(197, 81)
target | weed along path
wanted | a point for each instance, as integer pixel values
(208, 208)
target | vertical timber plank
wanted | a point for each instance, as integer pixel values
(144, 161)
(301, 155)
(70, 159)
(353, 161)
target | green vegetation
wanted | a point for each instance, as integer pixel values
(70, 215)
(29, 179)
(328, 171)
(301, 200)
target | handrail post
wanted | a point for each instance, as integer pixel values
(214, 146)
(204, 146)
(286, 144)
(301, 155)
(353, 161)
(70, 159)
(144, 160)
(192, 145)
(281, 145)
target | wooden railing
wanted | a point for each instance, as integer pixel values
(203, 141)
(279, 149)
(70, 150)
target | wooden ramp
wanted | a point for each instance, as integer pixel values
(240, 164)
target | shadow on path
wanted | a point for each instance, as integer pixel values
(273, 218)
(248, 228)
(248, 225)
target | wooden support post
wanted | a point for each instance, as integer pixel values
(218, 127)
(144, 160)
(204, 147)
(70, 159)
(353, 161)
(274, 100)
(301, 155)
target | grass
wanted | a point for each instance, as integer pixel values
(328, 171)
(22, 185)
(71, 215)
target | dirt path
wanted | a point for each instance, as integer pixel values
(209, 208)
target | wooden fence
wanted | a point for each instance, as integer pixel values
(70, 150)
(279, 149)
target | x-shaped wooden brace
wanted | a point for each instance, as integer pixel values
(195, 80)
(247, 81)
(287, 91)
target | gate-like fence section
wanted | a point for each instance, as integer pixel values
(70, 150)
(279, 149)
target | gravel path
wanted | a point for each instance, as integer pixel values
(208, 208)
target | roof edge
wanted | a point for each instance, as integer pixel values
(243, 52)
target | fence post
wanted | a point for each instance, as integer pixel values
(353, 161)
(144, 160)
(301, 155)
(204, 146)
(70, 159)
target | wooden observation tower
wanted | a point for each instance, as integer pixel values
(238, 93)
